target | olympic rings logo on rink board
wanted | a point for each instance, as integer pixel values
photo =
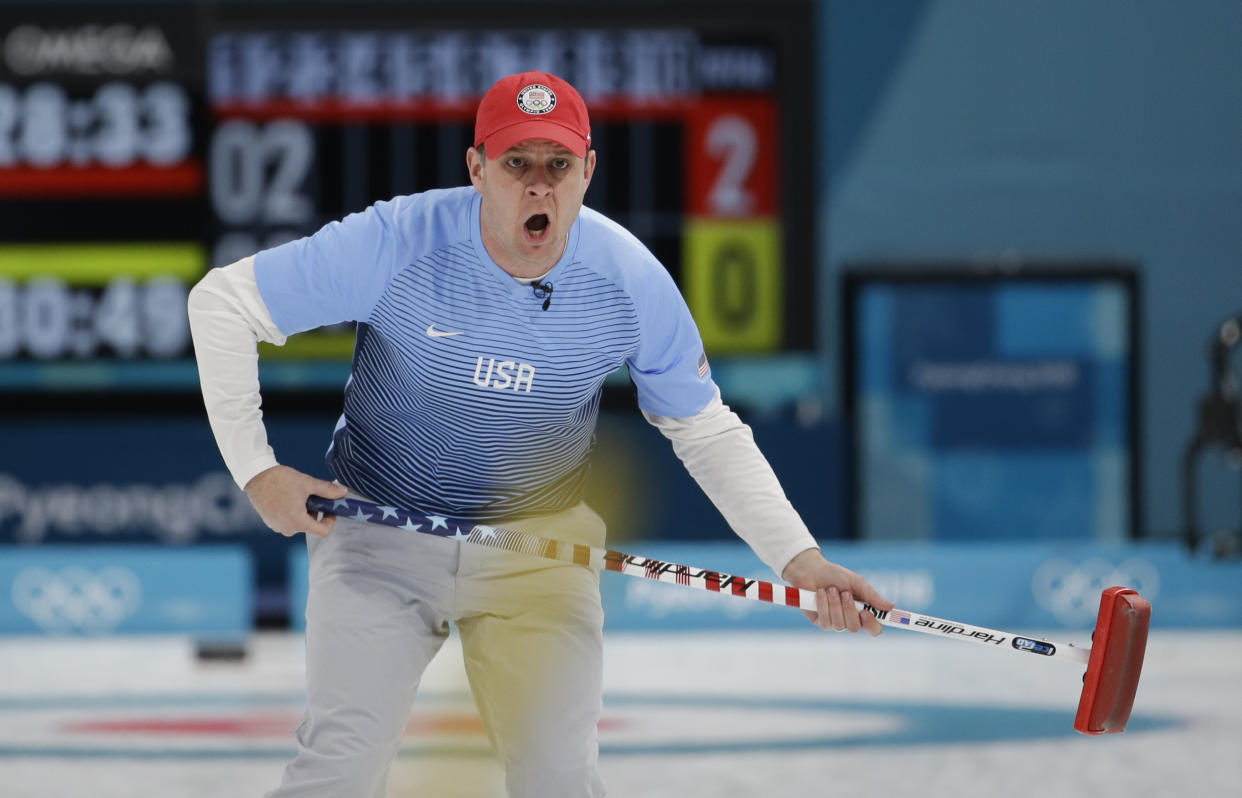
(1071, 590)
(77, 599)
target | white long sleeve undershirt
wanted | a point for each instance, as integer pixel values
(228, 318)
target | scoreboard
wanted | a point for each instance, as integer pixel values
(141, 145)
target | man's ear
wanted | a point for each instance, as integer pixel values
(588, 166)
(475, 161)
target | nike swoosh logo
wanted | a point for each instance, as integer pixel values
(434, 333)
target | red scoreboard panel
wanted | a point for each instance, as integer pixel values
(141, 145)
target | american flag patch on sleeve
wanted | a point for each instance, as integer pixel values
(703, 367)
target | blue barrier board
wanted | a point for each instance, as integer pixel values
(204, 591)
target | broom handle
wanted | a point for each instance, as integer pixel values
(687, 576)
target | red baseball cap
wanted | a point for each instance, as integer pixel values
(532, 105)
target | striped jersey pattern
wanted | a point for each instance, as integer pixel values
(466, 397)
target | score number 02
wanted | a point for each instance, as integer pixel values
(257, 180)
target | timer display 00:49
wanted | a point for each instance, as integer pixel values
(47, 319)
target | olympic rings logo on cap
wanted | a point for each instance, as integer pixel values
(77, 599)
(536, 99)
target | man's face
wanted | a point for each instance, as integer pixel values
(531, 196)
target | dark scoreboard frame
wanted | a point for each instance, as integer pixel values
(124, 211)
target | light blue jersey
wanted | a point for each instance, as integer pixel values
(467, 398)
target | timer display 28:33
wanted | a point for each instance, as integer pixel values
(117, 125)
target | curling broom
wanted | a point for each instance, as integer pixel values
(1114, 661)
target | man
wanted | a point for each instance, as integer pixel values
(488, 318)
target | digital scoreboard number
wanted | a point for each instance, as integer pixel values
(140, 146)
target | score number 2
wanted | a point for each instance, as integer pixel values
(732, 140)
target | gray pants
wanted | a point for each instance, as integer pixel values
(379, 607)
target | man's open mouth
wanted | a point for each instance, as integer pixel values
(537, 226)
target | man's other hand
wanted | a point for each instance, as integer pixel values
(279, 495)
(836, 590)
